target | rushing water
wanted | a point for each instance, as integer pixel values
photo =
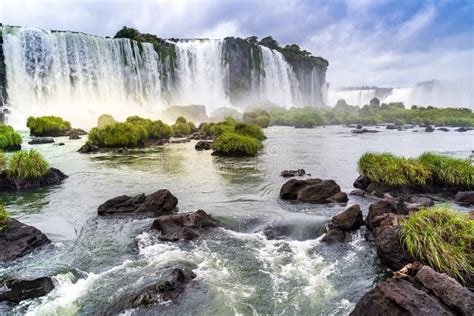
(96, 262)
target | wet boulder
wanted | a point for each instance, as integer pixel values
(155, 204)
(362, 182)
(185, 226)
(418, 202)
(335, 236)
(74, 137)
(88, 149)
(385, 206)
(203, 145)
(349, 219)
(363, 131)
(41, 140)
(429, 129)
(357, 192)
(18, 290)
(18, 239)
(443, 129)
(465, 197)
(293, 173)
(53, 177)
(390, 250)
(312, 191)
(462, 129)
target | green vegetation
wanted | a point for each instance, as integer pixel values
(442, 238)
(9, 139)
(154, 129)
(104, 120)
(27, 165)
(429, 168)
(47, 126)
(233, 144)
(3, 216)
(249, 130)
(182, 127)
(118, 135)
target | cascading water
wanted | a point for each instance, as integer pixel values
(352, 97)
(277, 82)
(202, 75)
(78, 76)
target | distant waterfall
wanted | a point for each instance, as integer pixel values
(201, 74)
(278, 83)
(78, 76)
(352, 97)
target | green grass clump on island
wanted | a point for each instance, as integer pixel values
(4, 216)
(27, 165)
(118, 135)
(9, 139)
(429, 168)
(249, 130)
(105, 119)
(182, 128)
(47, 126)
(442, 238)
(229, 143)
(154, 129)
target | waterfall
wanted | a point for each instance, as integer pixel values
(78, 76)
(353, 97)
(202, 76)
(277, 83)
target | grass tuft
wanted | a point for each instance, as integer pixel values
(27, 165)
(229, 143)
(449, 170)
(442, 238)
(9, 139)
(47, 126)
(118, 135)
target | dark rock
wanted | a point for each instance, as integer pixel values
(289, 190)
(75, 131)
(183, 226)
(349, 219)
(357, 192)
(334, 236)
(465, 197)
(390, 250)
(74, 136)
(416, 203)
(60, 144)
(166, 290)
(203, 145)
(18, 239)
(88, 148)
(122, 151)
(41, 140)
(312, 191)
(340, 197)
(293, 173)
(19, 290)
(429, 129)
(358, 126)
(53, 177)
(363, 130)
(158, 203)
(385, 206)
(461, 129)
(443, 129)
(362, 182)
(391, 126)
(381, 222)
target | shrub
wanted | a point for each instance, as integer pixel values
(3, 216)
(118, 135)
(180, 119)
(263, 121)
(181, 129)
(47, 126)
(442, 238)
(392, 170)
(232, 144)
(104, 120)
(27, 165)
(9, 139)
(154, 129)
(399, 122)
(453, 171)
(249, 130)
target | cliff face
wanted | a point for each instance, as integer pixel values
(3, 74)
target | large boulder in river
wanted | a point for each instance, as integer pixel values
(41, 140)
(18, 239)
(18, 290)
(203, 145)
(312, 191)
(183, 226)
(383, 207)
(349, 219)
(158, 203)
(465, 197)
(88, 149)
(390, 250)
(427, 293)
(293, 173)
(53, 177)
(362, 182)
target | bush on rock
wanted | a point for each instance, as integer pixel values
(48, 126)
(9, 139)
(118, 135)
(233, 144)
(104, 120)
(27, 165)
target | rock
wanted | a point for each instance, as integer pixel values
(340, 197)
(383, 221)
(18, 239)
(461, 129)
(41, 140)
(359, 126)
(293, 173)
(465, 197)
(19, 290)
(357, 192)
(166, 290)
(60, 144)
(75, 131)
(429, 129)
(363, 130)
(334, 236)
(74, 136)
(453, 294)
(180, 140)
(289, 190)
(391, 126)
(158, 203)
(203, 145)
(417, 203)
(53, 177)
(312, 191)
(183, 226)
(389, 248)
(122, 151)
(387, 196)
(362, 182)
(349, 219)
(88, 148)
(385, 206)
(443, 129)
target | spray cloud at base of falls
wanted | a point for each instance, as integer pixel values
(80, 76)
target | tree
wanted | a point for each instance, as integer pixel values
(269, 42)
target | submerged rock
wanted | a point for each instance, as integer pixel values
(312, 191)
(363, 130)
(429, 129)
(19, 290)
(465, 197)
(53, 177)
(427, 293)
(158, 203)
(462, 129)
(18, 239)
(88, 148)
(183, 226)
(41, 140)
(203, 145)
(443, 129)
(293, 173)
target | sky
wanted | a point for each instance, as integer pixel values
(367, 42)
